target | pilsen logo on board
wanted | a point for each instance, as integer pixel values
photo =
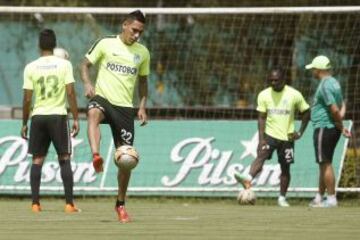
(217, 167)
(193, 158)
(15, 156)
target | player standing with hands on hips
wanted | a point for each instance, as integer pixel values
(327, 112)
(277, 106)
(122, 61)
(50, 79)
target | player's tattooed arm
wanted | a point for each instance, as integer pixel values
(89, 90)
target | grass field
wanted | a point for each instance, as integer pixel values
(161, 218)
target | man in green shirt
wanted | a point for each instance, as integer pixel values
(277, 106)
(50, 79)
(326, 116)
(121, 61)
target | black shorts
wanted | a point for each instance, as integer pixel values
(120, 119)
(45, 129)
(325, 140)
(284, 149)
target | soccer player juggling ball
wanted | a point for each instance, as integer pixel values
(50, 79)
(277, 106)
(327, 112)
(121, 61)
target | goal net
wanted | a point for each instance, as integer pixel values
(206, 64)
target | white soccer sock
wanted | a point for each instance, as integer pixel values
(331, 198)
(318, 197)
(282, 198)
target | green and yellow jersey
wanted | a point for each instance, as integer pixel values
(47, 77)
(327, 93)
(119, 66)
(280, 108)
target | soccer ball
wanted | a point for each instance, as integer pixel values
(61, 53)
(246, 197)
(126, 157)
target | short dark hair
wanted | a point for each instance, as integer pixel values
(278, 69)
(136, 15)
(47, 39)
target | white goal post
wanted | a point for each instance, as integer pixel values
(179, 11)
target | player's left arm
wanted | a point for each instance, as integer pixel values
(334, 110)
(26, 111)
(303, 107)
(305, 118)
(27, 99)
(143, 94)
(343, 109)
(336, 115)
(144, 71)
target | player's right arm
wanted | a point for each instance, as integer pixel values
(93, 56)
(71, 97)
(262, 109)
(89, 89)
(261, 127)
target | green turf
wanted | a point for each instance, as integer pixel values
(177, 219)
